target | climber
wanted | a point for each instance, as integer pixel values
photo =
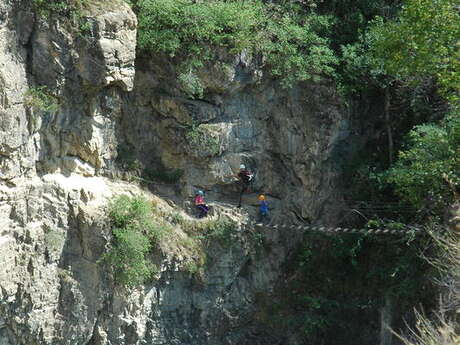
(200, 204)
(246, 178)
(263, 209)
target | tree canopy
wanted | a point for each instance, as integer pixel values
(424, 40)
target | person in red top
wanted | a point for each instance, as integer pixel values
(200, 204)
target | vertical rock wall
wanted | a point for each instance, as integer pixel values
(57, 171)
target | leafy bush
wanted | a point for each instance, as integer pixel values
(202, 140)
(72, 10)
(134, 233)
(177, 218)
(45, 7)
(192, 31)
(356, 272)
(191, 83)
(186, 27)
(294, 50)
(422, 41)
(127, 257)
(67, 8)
(40, 99)
(221, 229)
(432, 155)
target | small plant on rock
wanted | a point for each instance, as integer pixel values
(40, 99)
(72, 12)
(222, 229)
(203, 140)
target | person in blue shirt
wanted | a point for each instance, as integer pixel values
(263, 209)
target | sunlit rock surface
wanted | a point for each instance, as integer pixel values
(58, 169)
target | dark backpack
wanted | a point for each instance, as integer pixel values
(246, 176)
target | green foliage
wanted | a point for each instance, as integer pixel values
(202, 140)
(192, 267)
(422, 41)
(45, 7)
(350, 275)
(67, 8)
(41, 99)
(193, 31)
(134, 233)
(360, 69)
(128, 257)
(222, 229)
(191, 83)
(72, 10)
(294, 50)
(432, 155)
(351, 17)
(175, 27)
(177, 218)
(125, 210)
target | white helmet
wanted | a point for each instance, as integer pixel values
(242, 166)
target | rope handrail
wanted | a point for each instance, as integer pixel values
(316, 228)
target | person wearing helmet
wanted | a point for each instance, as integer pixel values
(200, 204)
(263, 208)
(245, 177)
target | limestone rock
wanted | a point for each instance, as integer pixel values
(107, 55)
(59, 169)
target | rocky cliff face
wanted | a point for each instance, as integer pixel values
(116, 112)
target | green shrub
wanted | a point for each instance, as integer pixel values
(186, 27)
(356, 272)
(124, 210)
(71, 10)
(422, 41)
(191, 31)
(432, 155)
(40, 99)
(127, 257)
(134, 234)
(191, 83)
(202, 140)
(177, 218)
(222, 229)
(67, 8)
(45, 7)
(294, 50)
